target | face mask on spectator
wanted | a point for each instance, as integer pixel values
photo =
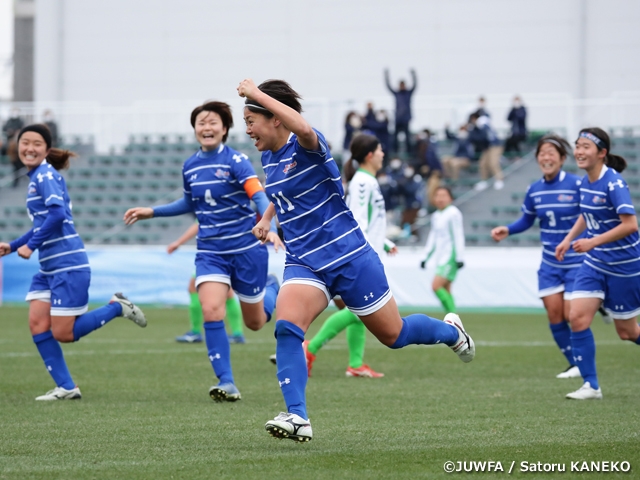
(355, 122)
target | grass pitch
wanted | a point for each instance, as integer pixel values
(146, 413)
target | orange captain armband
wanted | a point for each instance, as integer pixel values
(252, 186)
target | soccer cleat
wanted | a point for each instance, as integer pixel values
(585, 392)
(190, 337)
(237, 338)
(227, 392)
(129, 310)
(363, 371)
(291, 426)
(606, 316)
(60, 393)
(308, 356)
(571, 372)
(464, 347)
(272, 359)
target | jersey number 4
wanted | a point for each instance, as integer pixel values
(290, 205)
(209, 199)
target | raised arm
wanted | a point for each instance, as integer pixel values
(387, 82)
(414, 80)
(292, 120)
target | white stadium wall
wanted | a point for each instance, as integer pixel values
(160, 57)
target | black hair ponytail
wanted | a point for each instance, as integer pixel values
(614, 161)
(361, 146)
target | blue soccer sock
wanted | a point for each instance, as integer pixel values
(219, 351)
(562, 335)
(583, 347)
(95, 319)
(53, 359)
(419, 329)
(292, 366)
(269, 302)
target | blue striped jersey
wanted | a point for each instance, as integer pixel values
(215, 182)
(306, 188)
(64, 249)
(601, 203)
(556, 204)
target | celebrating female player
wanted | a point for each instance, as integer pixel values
(446, 244)
(554, 200)
(218, 184)
(327, 253)
(610, 272)
(367, 205)
(59, 294)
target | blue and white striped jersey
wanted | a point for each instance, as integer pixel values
(601, 203)
(306, 188)
(557, 206)
(215, 180)
(64, 249)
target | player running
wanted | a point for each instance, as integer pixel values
(445, 244)
(59, 293)
(366, 202)
(610, 272)
(219, 183)
(327, 253)
(555, 201)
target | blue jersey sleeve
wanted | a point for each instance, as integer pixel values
(528, 205)
(621, 197)
(241, 168)
(321, 154)
(50, 188)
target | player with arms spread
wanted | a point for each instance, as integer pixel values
(219, 183)
(610, 272)
(59, 294)
(327, 253)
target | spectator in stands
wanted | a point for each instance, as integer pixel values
(377, 123)
(403, 109)
(49, 121)
(481, 111)
(352, 126)
(10, 129)
(462, 153)
(485, 140)
(428, 163)
(518, 119)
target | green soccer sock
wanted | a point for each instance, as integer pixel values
(332, 327)
(234, 316)
(195, 313)
(356, 338)
(446, 299)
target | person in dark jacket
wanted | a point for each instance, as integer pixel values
(10, 130)
(377, 123)
(428, 162)
(486, 141)
(463, 153)
(518, 119)
(403, 109)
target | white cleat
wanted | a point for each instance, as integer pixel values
(60, 393)
(585, 392)
(607, 318)
(571, 372)
(291, 426)
(129, 310)
(464, 347)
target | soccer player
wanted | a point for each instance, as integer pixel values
(327, 253)
(59, 293)
(555, 201)
(367, 205)
(445, 244)
(233, 316)
(610, 272)
(218, 184)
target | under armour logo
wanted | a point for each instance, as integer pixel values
(214, 357)
(369, 297)
(611, 185)
(238, 158)
(40, 178)
(286, 381)
(618, 307)
(578, 358)
(49, 368)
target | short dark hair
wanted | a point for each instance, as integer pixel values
(278, 90)
(221, 108)
(444, 187)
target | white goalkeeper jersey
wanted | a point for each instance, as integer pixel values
(446, 238)
(366, 202)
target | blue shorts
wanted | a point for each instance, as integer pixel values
(68, 292)
(361, 283)
(552, 279)
(620, 295)
(245, 272)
